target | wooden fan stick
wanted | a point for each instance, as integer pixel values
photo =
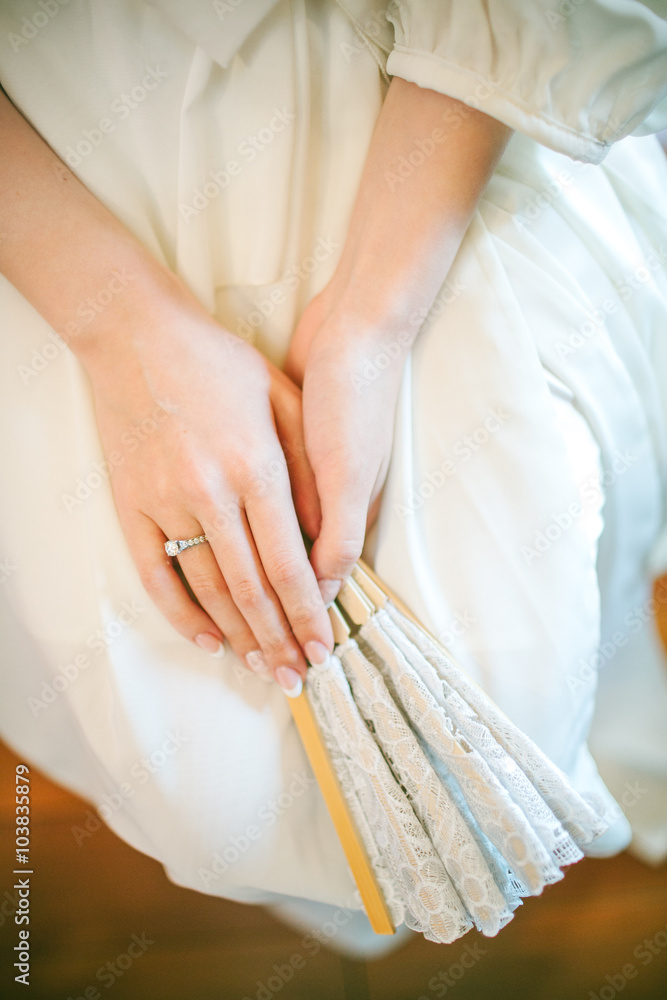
(355, 852)
(378, 592)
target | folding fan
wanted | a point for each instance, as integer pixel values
(447, 812)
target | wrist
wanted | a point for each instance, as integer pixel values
(406, 229)
(387, 303)
(128, 306)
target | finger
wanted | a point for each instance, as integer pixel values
(234, 548)
(207, 583)
(289, 425)
(294, 369)
(280, 545)
(344, 499)
(164, 586)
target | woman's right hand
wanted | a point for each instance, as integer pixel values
(221, 420)
(216, 463)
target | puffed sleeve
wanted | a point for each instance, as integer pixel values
(575, 75)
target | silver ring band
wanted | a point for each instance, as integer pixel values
(173, 547)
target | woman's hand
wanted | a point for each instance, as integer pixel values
(215, 463)
(351, 378)
(227, 429)
(428, 162)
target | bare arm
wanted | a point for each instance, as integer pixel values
(62, 246)
(216, 464)
(429, 161)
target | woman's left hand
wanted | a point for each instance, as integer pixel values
(350, 348)
(351, 378)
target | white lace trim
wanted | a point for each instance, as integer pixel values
(460, 813)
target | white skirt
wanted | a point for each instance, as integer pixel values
(525, 494)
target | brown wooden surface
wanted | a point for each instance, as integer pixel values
(87, 901)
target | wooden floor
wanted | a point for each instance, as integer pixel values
(90, 902)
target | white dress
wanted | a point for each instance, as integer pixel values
(525, 498)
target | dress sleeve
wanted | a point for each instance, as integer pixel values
(575, 75)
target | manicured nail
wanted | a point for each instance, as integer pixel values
(290, 681)
(329, 590)
(256, 662)
(316, 653)
(210, 644)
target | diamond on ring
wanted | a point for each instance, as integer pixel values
(174, 546)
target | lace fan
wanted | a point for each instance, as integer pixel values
(447, 812)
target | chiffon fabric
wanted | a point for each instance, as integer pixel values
(525, 498)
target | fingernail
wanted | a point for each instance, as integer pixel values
(329, 590)
(316, 653)
(256, 662)
(210, 644)
(290, 681)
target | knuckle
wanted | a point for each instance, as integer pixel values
(345, 551)
(240, 638)
(285, 571)
(154, 578)
(265, 474)
(206, 587)
(301, 615)
(224, 518)
(278, 648)
(181, 616)
(163, 492)
(199, 490)
(248, 595)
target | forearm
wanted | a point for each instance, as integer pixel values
(64, 251)
(429, 161)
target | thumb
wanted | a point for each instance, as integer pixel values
(341, 537)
